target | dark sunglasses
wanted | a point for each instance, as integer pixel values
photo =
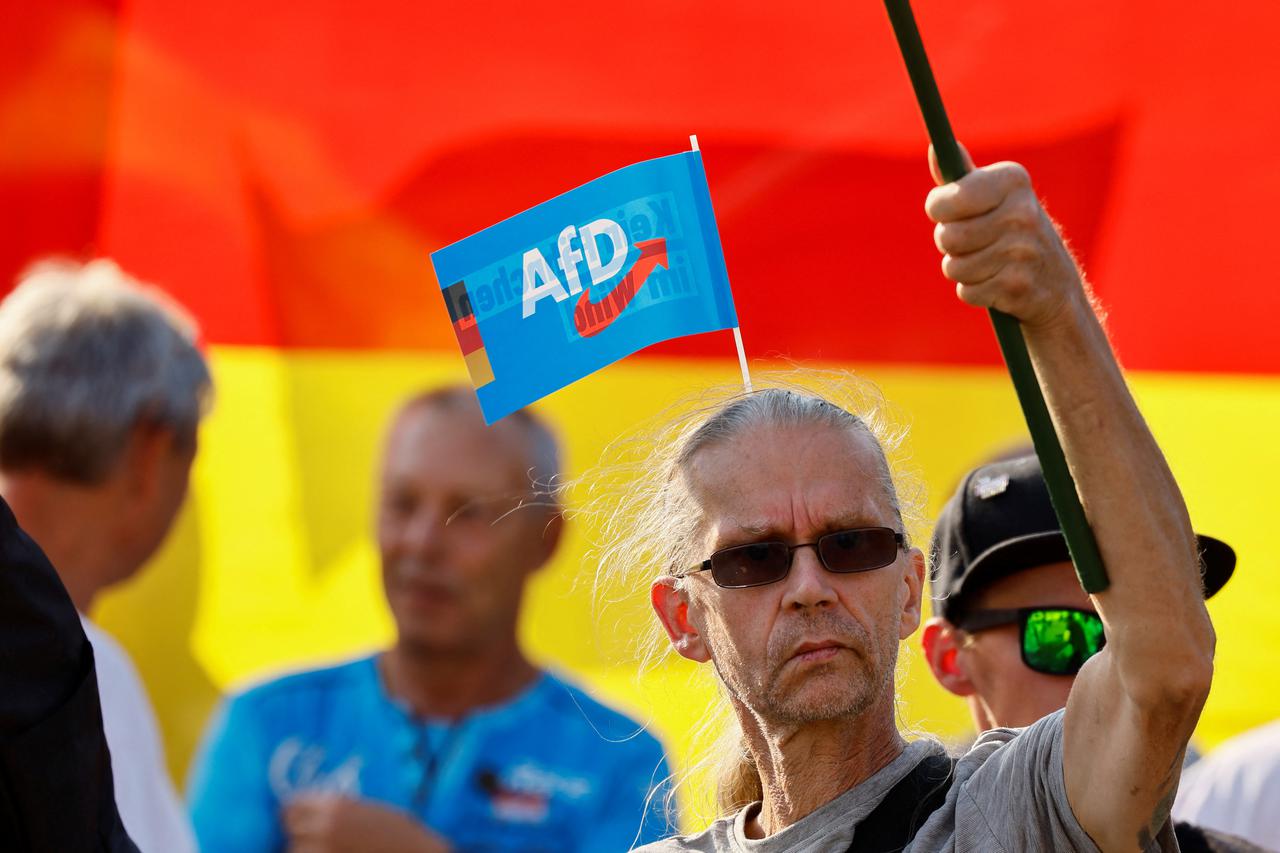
(1055, 640)
(844, 551)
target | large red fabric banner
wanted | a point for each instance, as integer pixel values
(285, 170)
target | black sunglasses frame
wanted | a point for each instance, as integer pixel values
(981, 620)
(899, 539)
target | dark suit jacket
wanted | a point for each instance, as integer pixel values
(56, 792)
(1197, 839)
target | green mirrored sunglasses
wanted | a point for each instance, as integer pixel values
(1054, 640)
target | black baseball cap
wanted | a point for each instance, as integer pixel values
(1000, 522)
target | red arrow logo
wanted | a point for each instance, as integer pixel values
(592, 318)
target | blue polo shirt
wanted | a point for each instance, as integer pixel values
(551, 769)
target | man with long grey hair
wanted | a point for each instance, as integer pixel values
(101, 392)
(787, 568)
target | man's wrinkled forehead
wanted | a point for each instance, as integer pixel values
(780, 479)
(727, 527)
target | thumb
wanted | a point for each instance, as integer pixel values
(301, 813)
(295, 815)
(936, 170)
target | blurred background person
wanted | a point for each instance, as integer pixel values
(101, 393)
(451, 739)
(54, 760)
(1011, 625)
(1236, 788)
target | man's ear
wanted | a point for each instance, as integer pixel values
(672, 606)
(552, 530)
(141, 463)
(543, 528)
(913, 579)
(941, 641)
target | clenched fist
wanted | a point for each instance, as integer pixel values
(1001, 248)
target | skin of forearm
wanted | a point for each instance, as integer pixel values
(1140, 698)
(1154, 606)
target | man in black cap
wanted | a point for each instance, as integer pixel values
(1011, 625)
(1010, 618)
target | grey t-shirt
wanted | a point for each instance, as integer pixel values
(1008, 794)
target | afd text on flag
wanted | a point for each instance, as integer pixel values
(584, 279)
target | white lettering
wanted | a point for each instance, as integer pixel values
(612, 230)
(569, 258)
(536, 269)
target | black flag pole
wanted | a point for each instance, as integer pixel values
(951, 162)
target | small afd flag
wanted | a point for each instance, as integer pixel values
(550, 295)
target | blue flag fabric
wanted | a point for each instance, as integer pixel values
(550, 295)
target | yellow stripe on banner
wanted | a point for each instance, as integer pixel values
(479, 368)
(272, 565)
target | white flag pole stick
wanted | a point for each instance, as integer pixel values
(737, 331)
(742, 360)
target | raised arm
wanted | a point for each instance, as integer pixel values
(1134, 705)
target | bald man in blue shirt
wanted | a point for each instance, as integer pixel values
(451, 740)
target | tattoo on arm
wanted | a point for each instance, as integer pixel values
(1147, 835)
